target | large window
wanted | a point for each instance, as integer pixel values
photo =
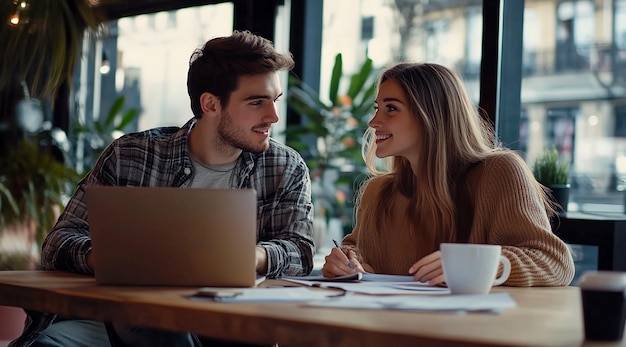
(154, 51)
(572, 98)
(445, 32)
(560, 130)
(619, 54)
(531, 39)
(575, 24)
(620, 23)
(474, 42)
(573, 67)
(573, 64)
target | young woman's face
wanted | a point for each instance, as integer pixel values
(397, 131)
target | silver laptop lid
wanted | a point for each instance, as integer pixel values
(173, 236)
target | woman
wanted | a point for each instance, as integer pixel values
(446, 181)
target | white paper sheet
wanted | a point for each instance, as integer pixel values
(448, 303)
(357, 276)
(377, 288)
(368, 277)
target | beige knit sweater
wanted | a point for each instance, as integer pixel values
(507, 212)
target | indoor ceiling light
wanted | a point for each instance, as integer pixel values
(105, 66)
(20, 16)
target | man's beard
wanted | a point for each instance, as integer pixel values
(229, 135)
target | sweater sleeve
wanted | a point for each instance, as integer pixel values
(509, 211)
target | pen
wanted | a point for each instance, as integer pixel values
(346, 253)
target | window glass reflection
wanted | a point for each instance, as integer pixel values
(573, 68)
(575, 25)
(571, 93)
(448, 32)
(154, 51)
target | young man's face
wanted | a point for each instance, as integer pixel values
(246, 121)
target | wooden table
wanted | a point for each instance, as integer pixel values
(544, 316)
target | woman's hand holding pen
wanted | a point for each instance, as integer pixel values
(428, 269)
(338, 263)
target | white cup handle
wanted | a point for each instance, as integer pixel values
(506, 271)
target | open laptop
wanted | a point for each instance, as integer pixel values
(173, 236)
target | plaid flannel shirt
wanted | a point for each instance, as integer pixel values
(159, 158)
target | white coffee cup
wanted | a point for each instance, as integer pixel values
(472, 268)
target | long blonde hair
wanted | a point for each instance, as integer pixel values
(454, 136)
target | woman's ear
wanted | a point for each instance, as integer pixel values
(209, 103)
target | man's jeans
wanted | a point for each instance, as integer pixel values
(87, 333)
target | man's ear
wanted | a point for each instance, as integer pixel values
(209, 103)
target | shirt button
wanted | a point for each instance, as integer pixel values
(187, 171)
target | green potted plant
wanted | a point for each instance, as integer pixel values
(41, 44)
(34, 186)
(101, 132)
(329, 136)
(553, 173)
(42, 41)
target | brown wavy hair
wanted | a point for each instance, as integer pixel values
(215, 68)
(454, 137)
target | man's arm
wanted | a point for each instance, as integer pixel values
(261, 260)
(286, 220)
(68, 244)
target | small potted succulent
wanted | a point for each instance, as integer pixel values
(553, 173)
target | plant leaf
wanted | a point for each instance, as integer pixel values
(115, 109)
(127, 118)
(359, 79)
(335, 78)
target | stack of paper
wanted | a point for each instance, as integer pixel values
(448, 303)
(363, 291)
(366, 283)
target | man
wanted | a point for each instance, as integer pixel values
(233, 85)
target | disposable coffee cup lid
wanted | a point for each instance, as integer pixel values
(603, 280)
